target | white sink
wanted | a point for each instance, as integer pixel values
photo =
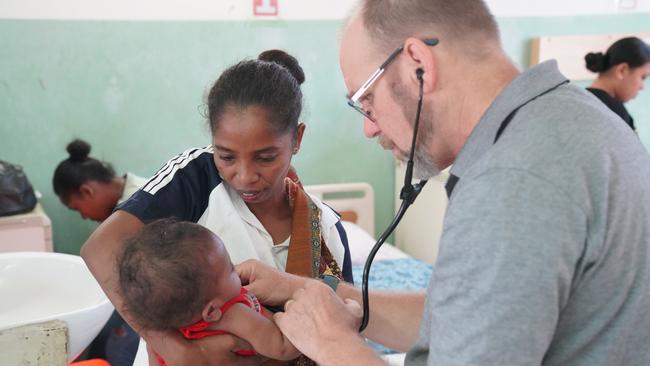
(37, 287)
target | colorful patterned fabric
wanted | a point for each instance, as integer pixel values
(308, 254)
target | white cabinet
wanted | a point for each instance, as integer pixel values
(30, 232)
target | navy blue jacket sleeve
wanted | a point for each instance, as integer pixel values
(347, 261)
(180, 189)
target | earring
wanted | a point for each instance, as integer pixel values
(295, 151)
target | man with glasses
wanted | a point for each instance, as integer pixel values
(544, 256)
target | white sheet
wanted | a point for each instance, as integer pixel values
(361, 243)
(396, 359)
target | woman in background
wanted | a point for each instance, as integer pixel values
(92, 188)
(622, 71)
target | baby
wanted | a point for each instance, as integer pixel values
(178, 275)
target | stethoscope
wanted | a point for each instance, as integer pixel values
(408, 194)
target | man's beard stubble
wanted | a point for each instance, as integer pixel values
(423, 165)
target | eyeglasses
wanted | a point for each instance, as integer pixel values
(354, 100)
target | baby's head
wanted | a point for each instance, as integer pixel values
(174, 273)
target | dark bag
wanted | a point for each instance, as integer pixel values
(16, 193)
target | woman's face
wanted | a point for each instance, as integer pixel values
(90, 202)
(632, 82)
(251, 156)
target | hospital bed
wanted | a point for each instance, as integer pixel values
(392, 267)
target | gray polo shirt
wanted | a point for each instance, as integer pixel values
(544, 252)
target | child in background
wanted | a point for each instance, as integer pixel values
(90, 186)
(178, 275)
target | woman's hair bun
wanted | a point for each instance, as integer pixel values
(596, 62)
(284, 59)
(78, 150)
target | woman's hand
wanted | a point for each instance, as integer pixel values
(208, 351)
(321, 325)
(270, 286)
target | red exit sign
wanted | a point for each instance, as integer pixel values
(265, 7)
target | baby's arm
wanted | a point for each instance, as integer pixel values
(259, 330)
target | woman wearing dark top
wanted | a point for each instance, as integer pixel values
(622, 71)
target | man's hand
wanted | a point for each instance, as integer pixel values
(317, 322)
(270, 286)
(208, 351)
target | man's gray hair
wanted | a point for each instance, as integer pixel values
(390, 22)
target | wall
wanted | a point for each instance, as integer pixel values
(134, 89)
(286, 9)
